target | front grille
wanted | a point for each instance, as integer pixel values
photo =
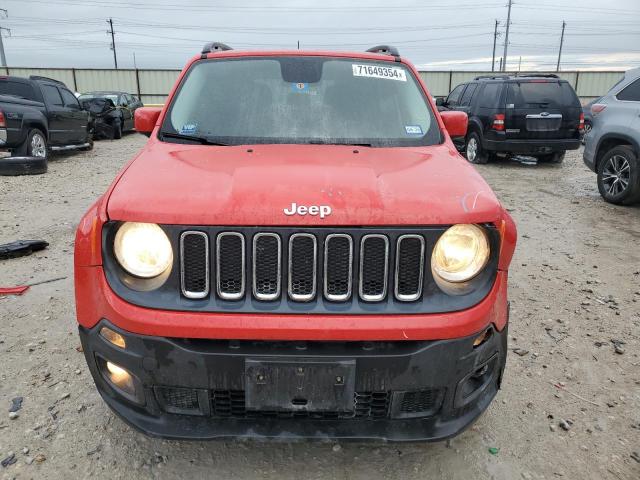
(178, 398)
(374, 262)
(409, 267)
(303, 261)
(267, 253)
(230, 265)
(194, 266)
(338, 265)
(231, 404)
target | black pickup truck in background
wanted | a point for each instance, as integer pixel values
(38, 115)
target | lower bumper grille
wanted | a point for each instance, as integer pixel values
(366, 405)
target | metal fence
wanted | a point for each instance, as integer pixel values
(153, 86)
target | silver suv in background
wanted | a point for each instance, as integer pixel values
(612, 147)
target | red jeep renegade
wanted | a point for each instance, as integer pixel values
(298, 251)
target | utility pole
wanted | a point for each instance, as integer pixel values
(506, 38)
(3, 57)
(520, 63)
(113, 42)
(500, 70)
(135, 65)
(564, 24)
(298, 44)
(495, 38)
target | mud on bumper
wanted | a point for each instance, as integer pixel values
(206, 389)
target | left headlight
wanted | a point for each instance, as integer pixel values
(143, 249)
(461, 253)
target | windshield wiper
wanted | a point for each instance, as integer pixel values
(193, 138)
(354, 144)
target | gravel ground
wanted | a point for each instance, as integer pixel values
(574, 336)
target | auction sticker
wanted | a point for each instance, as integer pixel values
(376, 71)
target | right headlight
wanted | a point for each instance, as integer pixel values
(143, 249)
(460, 253)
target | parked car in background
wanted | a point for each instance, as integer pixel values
(534, 115)
(612, 149)
(38, 114)
(103, 117)
(588, 116)
(125, 106)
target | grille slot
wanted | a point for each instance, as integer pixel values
(230, 265)
(338, 267)
(419, 401)
(374, 265)
(367, 405)
(194, 264)
(409, 267)
(303, 255)
(267, 252)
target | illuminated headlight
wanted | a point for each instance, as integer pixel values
(460, 253)
(143, 249)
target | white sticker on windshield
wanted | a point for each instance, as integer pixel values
(376, 71)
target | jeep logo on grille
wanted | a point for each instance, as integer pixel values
(295, 209)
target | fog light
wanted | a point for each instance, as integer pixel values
(123, 381)
(121, 378)
(113, 337)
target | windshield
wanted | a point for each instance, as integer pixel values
(301, 100)
(90, 96)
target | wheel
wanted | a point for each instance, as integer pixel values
(619, 176)
(23, 165)
(34, 146)
(587, 127)
(117, 130)
(473, 149)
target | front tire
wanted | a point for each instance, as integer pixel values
(619, 176)
(473, 149)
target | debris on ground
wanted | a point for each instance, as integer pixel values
(493, 450)
(21, 248)
(16, 404)
(9, 460)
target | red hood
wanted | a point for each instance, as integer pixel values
(208, 185)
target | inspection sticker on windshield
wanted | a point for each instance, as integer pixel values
(375, 71)
(413, 129)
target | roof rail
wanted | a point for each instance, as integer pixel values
(47, 79)
(541, 75)
(215, 47)
(385, 50)
(491, 77)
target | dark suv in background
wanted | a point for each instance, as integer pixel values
(532, 115)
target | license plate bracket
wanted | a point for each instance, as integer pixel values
(308, 385)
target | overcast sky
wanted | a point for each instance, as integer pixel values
(435, 34)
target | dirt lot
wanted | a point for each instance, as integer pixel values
(575, 293)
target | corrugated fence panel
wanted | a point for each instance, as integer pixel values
(596, 84)
(154, 85)
(119, 80)
(62, 74)
(436, 82)
(153, 99)
(157, 82)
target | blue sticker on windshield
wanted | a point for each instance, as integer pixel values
(300, 87)
(188, 128)
(413, 129)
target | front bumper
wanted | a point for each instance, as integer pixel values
(532, 147)
(402, 390)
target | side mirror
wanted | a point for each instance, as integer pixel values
(145, 119)
(440, 102)
(456, 123)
